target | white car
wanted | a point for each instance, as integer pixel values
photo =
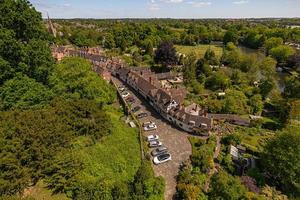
(155, 143)
(122, 89)
(152, 138)
(125, 94)
(162, 158)
(150, 127)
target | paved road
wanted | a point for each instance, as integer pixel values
(174, 139)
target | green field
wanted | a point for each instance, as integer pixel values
(199, 50)
(253, 138)
(116, 157)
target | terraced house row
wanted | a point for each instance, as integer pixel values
(168, 102)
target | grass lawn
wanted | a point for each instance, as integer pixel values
(199, 50)
(253, 138)
(116, 157)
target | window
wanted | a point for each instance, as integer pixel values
(180, 125)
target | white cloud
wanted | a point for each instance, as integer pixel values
(241, 2)
(200, 4)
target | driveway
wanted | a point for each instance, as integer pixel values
(174, 139)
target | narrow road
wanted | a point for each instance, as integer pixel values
(174, 139)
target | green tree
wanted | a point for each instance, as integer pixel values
(281, 158)
(210, 57)
(231, 36)
(22, 18)
(226, 187)
(282, 53)
(217, 81)
(256, 104)
(74, 77)
(292, 87)
(268, 67)
(109, 41)
(272, 43)
(266, 87)
(24, 92)
(235, 102)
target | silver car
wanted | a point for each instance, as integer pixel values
(155, 143)
(162, 158)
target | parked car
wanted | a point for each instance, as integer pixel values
(159, 150)
(130, 99)
(142, 115)
(162, 158)
(122, 89)
(155, 143)
(150, 127)
(125, 94)
(152, 137)
(135, 109)
(147, 123)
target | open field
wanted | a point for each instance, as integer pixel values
(199, 50)
(116, 157)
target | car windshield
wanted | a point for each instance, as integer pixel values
(163, 157)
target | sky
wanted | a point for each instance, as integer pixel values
(168, 8)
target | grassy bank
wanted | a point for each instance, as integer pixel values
(116, 157)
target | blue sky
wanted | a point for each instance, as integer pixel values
(167, 8)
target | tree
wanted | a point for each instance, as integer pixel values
(272, 43)
(166, 54)
(292, 87)
(145, 185)
(268, 67)
(74, 77)
(109, 41)
(270, 193)
(22, 18)
(282, 53)
(266, 87)
(148, 46)
(231, 36)
(6, 71)
(235, 102)
(217, 81)
(210, 57)
(226, 187)
(189, 69)
(24, 92)
(31, 57)
(281, 159)
(256, 104)
(294, 61)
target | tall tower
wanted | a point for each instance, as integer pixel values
(51, 28)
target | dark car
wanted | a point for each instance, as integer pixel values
(130, 99)
(142, 115)
(159, 150)
(135, 109)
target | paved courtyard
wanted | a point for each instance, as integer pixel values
(174, 139)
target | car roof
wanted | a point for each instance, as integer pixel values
(162, 148)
